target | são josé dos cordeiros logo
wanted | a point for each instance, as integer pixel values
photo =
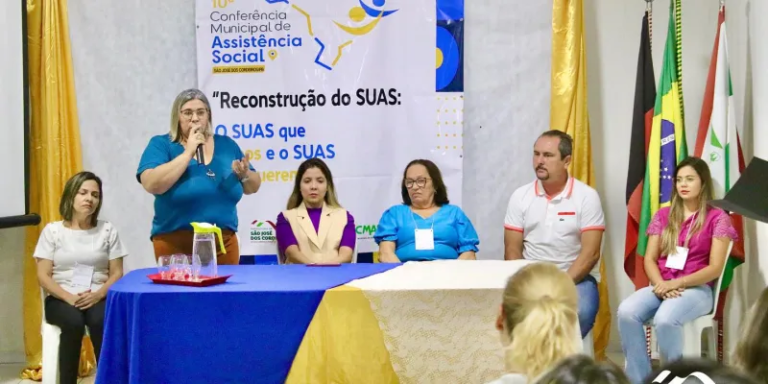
(243, 42)
(700, 378)
(262, 231)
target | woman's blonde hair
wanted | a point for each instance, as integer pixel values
(669, 237)
(752, 347)
(183, 97)
(541, 317)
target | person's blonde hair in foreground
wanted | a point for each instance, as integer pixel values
(582, 369)
(538, 321)
(752, 347)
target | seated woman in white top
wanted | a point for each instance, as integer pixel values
(78, 259)
(539, 322)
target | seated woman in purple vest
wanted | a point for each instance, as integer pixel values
(315, 229)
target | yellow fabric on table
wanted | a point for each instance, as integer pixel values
(343, 343)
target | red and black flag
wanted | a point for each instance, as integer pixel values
(642, 117)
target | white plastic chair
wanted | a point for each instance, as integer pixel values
(51, 336)
(588, 345)
(354, 253)
(693, 330)
(51, 339)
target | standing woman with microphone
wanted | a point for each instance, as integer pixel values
(196, 176)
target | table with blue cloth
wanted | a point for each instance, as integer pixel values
(244, 331)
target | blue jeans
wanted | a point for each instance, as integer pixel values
(589, 302)
(668, 318)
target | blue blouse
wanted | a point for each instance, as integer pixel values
(453, 233)
(196, 196)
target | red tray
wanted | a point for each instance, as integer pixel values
(204, 281)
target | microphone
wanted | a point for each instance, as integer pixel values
(199, 155)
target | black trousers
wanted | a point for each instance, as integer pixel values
(72, 322)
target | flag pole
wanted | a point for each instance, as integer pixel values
(649, 11)
(679, 49)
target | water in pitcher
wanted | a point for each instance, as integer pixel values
(204, 246)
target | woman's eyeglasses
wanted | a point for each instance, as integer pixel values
(188, 113)
(421, 183)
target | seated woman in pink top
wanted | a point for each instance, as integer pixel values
(687, 245)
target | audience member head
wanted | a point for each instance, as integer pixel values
(751, 354)
(81, 198)
(191, 108)
(538, 319)
(693, 187)
(698, 371)
(552, 155)
(313, 186)
(423, 185)
(582, 369)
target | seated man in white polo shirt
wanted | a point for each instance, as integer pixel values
(558, 219)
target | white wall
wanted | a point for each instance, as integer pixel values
(126, 79)
(11, 268)
(506, 101)
(757, 274)
(12, 192)
(613, 38)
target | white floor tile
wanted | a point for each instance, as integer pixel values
(9, 373)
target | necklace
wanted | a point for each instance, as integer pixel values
(208, 172)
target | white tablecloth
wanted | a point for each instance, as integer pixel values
(444, 275)
(438, 318)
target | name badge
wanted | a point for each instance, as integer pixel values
(82, 276)
(677, 261)
(425, 240)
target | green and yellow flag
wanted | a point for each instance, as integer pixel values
(667, 145)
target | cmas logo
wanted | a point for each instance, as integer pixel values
(365, 231)
(262, 231)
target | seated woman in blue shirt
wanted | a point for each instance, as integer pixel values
(425, 226)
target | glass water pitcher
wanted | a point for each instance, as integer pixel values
(204, 246)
